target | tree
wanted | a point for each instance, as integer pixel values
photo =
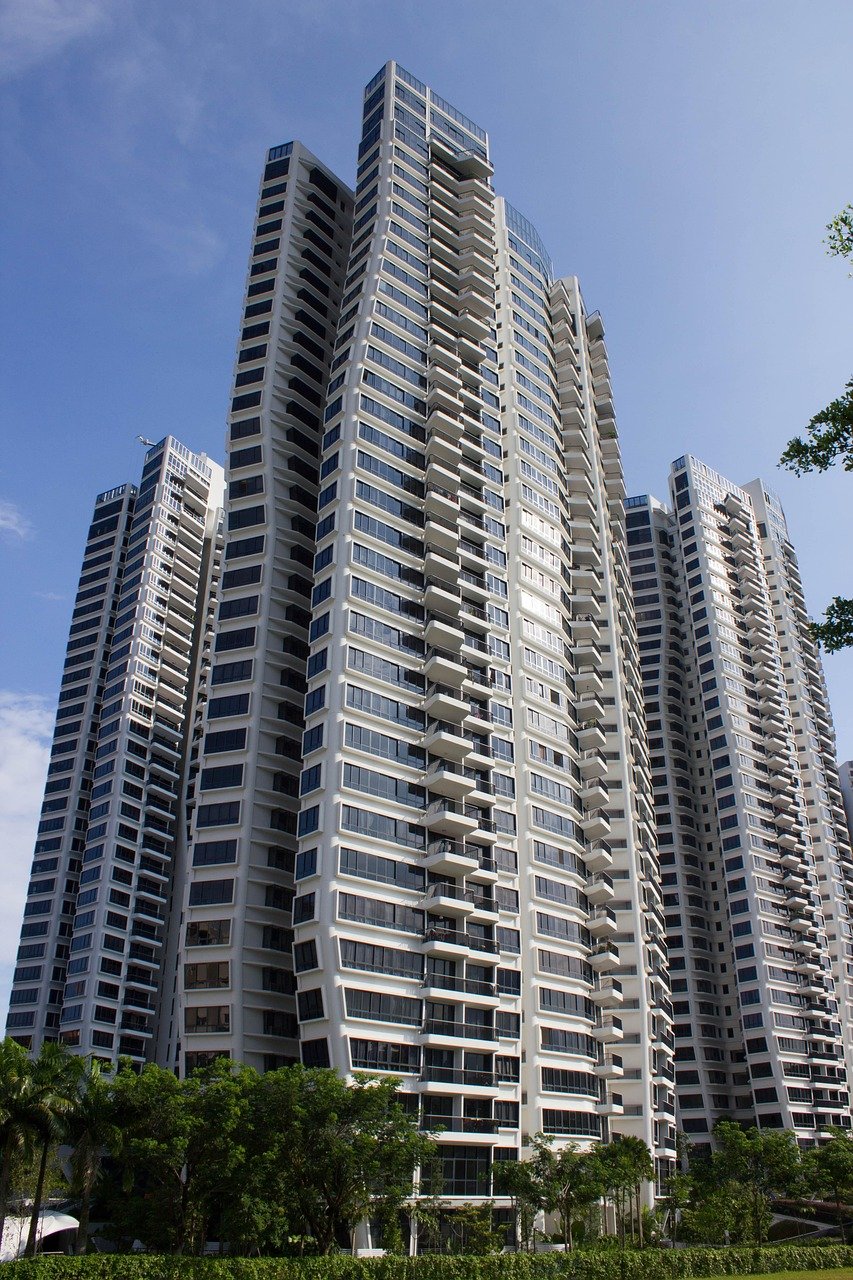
(183, 1150)
(722, 1213)
(17, 1113)
(52, 1083)
(677, 1193)
(829, 439)
(764, 1162)
(91, 1132)
(830, 1168)
(328, 1154)
(570, 1181)
(626, 1163)
(520, 1182)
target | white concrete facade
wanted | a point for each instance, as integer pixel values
(756, 864)
(103, 910)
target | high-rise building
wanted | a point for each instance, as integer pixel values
(845, 778)
(237, 988)
(757, 874)
(97, 914)
(471, 838)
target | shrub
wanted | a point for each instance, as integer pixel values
(649, 1264)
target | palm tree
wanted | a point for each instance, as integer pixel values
(53, 1078)
(20, 1111)
(90, 1130)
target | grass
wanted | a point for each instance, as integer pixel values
(836, 1273)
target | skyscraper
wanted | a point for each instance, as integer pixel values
(237, 988)
(755, 857)
(477, 905)
(98, 905)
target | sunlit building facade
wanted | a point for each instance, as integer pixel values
(757, 875)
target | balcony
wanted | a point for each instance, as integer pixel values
(596, 824)
(449, 818)
(592, 764)
(602, 923)
(585, 551)
(442, 1028)
(448, 900)
(594, 794)
(458, 1076)
(445, 668)
(443, 702)
(441, 501)
(444, 633)
(455, 943)
(604, 956)
(447, 741)
(611, 1106)
(598, 857)
(443, 599)
(471, 324)
(442, 986)
(610, 1031)
(591, 736)
(599, 890)
(608, 994)
(443, 394)
(610, 1067)
(451, 857)
(447, 779)
(443, 449)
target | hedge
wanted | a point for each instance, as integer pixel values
(605, 1264)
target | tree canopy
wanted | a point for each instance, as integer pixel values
(828, 439)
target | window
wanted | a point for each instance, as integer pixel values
(370, 958)
(205, 976)
(209, 892)
(208, 933)
(370, 866)
(208, 853)
(379, 913)
(377, 1006)
(215, 1017)
(379, 1055)
(228, 775)
(305, 956)
(236, 704)
(217, 815)
(310, 1004)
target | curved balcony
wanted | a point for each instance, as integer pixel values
(450, 818)
(446, 703)
(610, 1031)
(599, 889)
(445, 778)
(451, 857)
(603, 957)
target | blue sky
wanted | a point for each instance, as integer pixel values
(681, 157)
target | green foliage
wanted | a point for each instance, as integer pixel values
(839, 241)
(836, 631)
(747, 1167)
(36, 1098)
(521, 1182)
(830, 1167)
(651, 1264)
(571, 1181)
(829, 439)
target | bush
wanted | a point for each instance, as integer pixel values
(649, 1264)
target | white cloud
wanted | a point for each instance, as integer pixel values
(49, 595)
(26, 723)
(32, 31)
(13, 520)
